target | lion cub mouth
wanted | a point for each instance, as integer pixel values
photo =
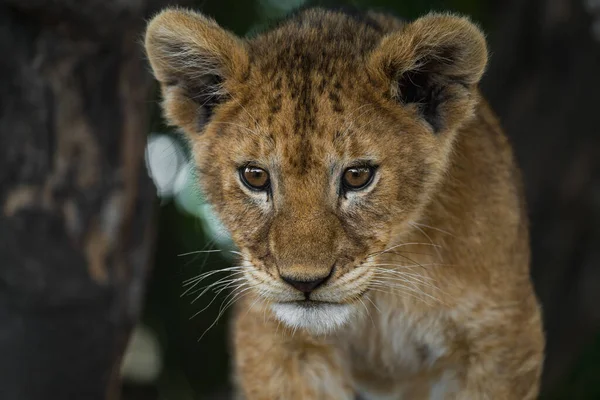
(317, 317)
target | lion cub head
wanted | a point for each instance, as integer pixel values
(317, 141)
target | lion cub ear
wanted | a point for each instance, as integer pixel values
(433, 65)
(194, 59)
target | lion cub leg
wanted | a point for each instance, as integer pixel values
(272, 362)
(505, 359)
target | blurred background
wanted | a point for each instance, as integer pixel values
(102, 225)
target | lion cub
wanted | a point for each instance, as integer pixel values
(374, 200)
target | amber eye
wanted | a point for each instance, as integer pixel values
(356, 178)
(255, 178)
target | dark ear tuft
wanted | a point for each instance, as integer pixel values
(193, 59)
(434, 65)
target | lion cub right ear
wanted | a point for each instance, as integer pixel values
(194, 59)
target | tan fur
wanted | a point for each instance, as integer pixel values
(429, 295)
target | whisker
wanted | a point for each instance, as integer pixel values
(228, 296)
(404, 274)
(238, 295)
(199, 251)
(434, 228)
(408, 266)
(411, 260)
(396, 273)
(403, 292)
(210, 273)
(216, 284)
(218, 287)
(193, 284)
(412, 288)
(402, 245)
(367, 310)
(372, 302)
(389, 290)
(414, 280)
(252, 305)
(204, 289)
(393, 282)
(437, 250)
(215, 297)
(265, 314)
(409, 252)
(193, 259)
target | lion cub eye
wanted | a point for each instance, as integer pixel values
(255, 178)
(357, 178)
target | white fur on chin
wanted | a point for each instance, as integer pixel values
(317, 319)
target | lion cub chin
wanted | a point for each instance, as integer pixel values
(373, 197)
(315, 318)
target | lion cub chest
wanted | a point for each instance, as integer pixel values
(400, 354)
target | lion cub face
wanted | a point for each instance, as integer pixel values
(318, 141)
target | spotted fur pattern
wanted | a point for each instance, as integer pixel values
(427, 292)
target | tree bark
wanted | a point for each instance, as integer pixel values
(543, 82)
(76, 216)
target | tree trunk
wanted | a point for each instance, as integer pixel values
(76, 220)
(544, 82)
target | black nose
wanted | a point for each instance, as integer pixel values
(305, 286)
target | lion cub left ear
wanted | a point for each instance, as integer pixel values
(194, 59)
(433, 65)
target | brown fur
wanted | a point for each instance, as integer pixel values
(449, 312)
